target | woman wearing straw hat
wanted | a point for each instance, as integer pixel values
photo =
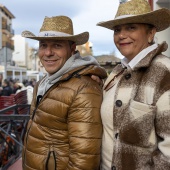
(65, 130)
(136, 106)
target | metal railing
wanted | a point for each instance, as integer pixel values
(12, 131)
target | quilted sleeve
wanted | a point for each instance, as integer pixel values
(85, 127)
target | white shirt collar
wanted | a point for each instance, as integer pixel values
(138, 57)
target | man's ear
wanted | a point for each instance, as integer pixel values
(73, 48)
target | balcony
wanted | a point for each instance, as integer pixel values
(7, 29)
(8, 44)
(12, 32)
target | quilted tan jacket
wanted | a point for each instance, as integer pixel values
(65, 129)
(141, 114)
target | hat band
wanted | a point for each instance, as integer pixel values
(53, 34)
(124, 16)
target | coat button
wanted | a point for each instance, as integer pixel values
(116, 135)
(118, 103)
(113, 168)
(127, 76)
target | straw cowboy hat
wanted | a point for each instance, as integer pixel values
(58, 28)
(139, 11)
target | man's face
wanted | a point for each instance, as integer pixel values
(54, 53)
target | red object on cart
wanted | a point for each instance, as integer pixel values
(6, 101)
(14, 99)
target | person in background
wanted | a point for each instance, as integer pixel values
(29, 87)
(65, 128)
(17, 86)
(1, 79)
(136, 103)
(5, 90)
(33, 82)
(11, 83)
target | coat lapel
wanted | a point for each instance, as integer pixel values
(110, 80)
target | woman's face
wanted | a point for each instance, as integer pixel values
(131, 39)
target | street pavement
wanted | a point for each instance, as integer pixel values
(17, 165)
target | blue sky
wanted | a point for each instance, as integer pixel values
(85, 14)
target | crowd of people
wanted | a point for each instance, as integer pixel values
(12, 86)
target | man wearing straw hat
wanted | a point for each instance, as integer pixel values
(136, 103)
(65, 129)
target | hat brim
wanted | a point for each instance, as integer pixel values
(159, 18)
(79, 39)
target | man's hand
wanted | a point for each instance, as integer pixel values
(98, 80)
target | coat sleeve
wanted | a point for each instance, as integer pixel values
(85, 128)
(162, 157)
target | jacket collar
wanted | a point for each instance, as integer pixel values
(146, 61)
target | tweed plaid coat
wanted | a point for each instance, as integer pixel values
(141, 114)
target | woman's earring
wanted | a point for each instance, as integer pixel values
(149, 41)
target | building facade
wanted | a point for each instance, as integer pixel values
(6, 34)
(85, 49)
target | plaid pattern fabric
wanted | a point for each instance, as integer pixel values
(141, 114)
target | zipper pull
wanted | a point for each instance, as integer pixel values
(39, 97)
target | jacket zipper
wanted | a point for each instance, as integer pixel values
(27, 136)
(54, 156)
(33, 114)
